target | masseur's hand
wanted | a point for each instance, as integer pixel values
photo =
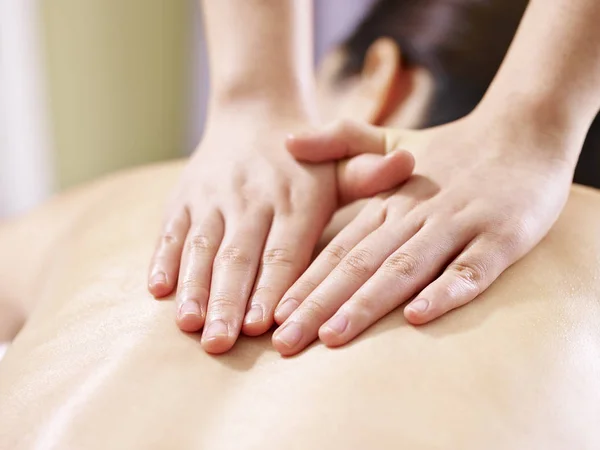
(482, 196)
(244, 221)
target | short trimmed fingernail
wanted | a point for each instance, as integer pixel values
(287, 307)
(290, 335)
(189, 308)
(158, 278)
(337, 324)
(254, 315)
(420, 305)
(216, 329)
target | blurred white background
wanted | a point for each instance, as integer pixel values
(88, 87)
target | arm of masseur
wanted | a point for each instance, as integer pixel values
(489, 187)
(246, 216)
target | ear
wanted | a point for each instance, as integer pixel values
(379, 89)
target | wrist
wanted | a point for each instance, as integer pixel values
(282, 99)
(538, 120)
(291, 114)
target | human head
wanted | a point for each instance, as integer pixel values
(436, 57)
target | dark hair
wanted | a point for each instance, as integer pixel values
(462, 44)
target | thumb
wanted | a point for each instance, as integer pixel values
(341, 140)
(368, 175)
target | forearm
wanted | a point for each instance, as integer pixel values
(260, 51)
(551, 71)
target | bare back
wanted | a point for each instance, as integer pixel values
(100, 364)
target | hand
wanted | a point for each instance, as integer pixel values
(480, 199)
(243, 223)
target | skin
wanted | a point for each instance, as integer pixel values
(488, 188)
(100, 364)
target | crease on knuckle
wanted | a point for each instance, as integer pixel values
(470, 274)
(278, 257)
(232, 257)
(192, 288)
(402, 265)
(261, 290)
(358, 264)
(200, 243)
(222, 305)
(314, 310)
(334, 254)
(302, 288)
(168, 239)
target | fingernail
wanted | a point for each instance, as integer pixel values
(216, 329)
(420, 305)
(290, 335)
(190, 308)
(337, 324)
(254, 315)
(158, 278)
(287, 308)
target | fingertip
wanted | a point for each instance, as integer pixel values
(297, 145)
(257, 322)
(330, 338)
(190, 317)
(159, 285)
(333, 333)
(418, 312)
(217, 345)
(285, 310)
(217, 337)
(286, 339)
(402, 161)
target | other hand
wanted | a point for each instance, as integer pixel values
(480, 199)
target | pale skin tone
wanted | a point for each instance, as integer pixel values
(488, 188)
(228, 266)
(246, 216)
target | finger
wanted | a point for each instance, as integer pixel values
(367, 175)
(341, 140)
(465, 278)
(402, 274)
(164, 265)
(234, 273)
(199, 252)
(369, 219)
(302, 327)
(287, 254)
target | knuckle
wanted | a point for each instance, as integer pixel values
(303, 287)
(200, 243)
(222, 303)
(193, 288)
(334, 254)
(232, 256)
(314, 310)
(169, 239)
(470, 273)
(516, 234)
(403, 265)
(261, 290)
(277, 257)
(358, 263)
